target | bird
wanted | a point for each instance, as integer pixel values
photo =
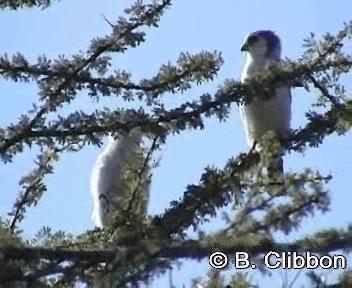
(263, 48)
(110, 184)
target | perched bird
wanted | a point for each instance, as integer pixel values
(263, 48)
(110, 182)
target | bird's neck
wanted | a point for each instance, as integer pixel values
(257, 60)
(254, 64)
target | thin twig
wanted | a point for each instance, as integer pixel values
(23, 201)
(141, 172)
(93, 56)
(325, 92)
(107, 21)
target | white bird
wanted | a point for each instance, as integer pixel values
(264, 48)
(110, 181)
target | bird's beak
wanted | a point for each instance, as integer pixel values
(244, 47)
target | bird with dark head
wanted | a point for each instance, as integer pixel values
(263, 48)
(263, 43)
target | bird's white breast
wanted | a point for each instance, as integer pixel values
(261, 116)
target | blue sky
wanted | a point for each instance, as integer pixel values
(190, 26)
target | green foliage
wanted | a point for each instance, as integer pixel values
(15, 4)
(146, 246)
(346, 279)
(215, 279)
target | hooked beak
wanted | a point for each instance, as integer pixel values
(244, 47)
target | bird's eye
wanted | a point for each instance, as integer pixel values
(252, 39)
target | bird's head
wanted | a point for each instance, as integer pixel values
(262, 44)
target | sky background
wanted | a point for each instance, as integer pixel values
(193, 26)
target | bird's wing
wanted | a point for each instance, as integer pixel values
(107, 179)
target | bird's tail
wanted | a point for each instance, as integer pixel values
(97, 215)
(280, 165)
(277, 169)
